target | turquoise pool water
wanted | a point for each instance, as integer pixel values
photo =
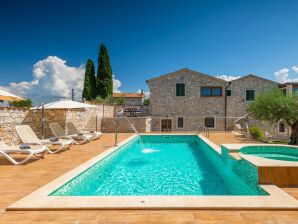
(161, 165)
(272, 152)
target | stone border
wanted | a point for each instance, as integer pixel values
(39, 199)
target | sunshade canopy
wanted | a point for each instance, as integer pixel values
(64, 104)
(4, 95)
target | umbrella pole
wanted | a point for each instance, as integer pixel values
(116, 132)
(42, 122)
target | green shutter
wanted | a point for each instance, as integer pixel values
(180, 89)
(229, 92)
(250, 95)
(177, 89)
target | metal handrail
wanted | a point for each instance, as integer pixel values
(240, 118)
(201, 128)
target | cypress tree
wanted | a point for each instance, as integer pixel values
(104, 81)
(89, 91)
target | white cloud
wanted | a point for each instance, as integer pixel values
(146, 93)
(228, 77)
(283, 74)
(53, 79)
(116, 85)
(295, 69)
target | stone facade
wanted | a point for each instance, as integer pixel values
(237, 103)
(193, 107)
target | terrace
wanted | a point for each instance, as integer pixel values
(19, 181)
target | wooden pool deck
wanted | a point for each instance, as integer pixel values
(18, 181)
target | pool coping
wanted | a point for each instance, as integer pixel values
(39, 199)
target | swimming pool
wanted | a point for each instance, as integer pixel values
(272, 152)
(159, 165)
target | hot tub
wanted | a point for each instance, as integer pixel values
(285, 153)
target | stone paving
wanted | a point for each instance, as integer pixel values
(18, 181)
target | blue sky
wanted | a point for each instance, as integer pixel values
(147, 38)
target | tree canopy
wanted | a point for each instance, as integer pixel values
(273, 106)
(89, 91)
(104, 81)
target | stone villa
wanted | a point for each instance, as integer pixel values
(184, 100)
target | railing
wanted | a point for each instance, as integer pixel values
(240, 118)
(201, 128)
(243, 122)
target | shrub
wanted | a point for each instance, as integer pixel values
(109, 100)
(256, 132)
(22, 103)
(146, 102)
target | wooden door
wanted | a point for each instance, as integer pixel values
(166, 125)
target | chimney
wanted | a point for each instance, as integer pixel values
(142, 91)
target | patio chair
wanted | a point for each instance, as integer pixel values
(71, 130)
(27, 135)
(30, 150)
(58, 131)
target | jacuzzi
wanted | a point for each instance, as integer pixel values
(285, 153)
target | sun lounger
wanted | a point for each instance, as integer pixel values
(59, 132)
(72, 130)
(32, 150)
(27, 135)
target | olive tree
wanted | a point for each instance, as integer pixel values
(273, 105)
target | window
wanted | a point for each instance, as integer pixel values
(229, 92)
(180, 122)
(250, 95)
(295, 90)
(281, 127)
(209, 122)
(180, 89)
(211, 91)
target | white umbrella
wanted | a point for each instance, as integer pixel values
(63, 104)
(4, 95)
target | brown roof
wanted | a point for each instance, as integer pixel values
(128, 95)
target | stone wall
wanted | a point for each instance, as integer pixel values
(142, 124)
(81, 117)
(11, 117)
